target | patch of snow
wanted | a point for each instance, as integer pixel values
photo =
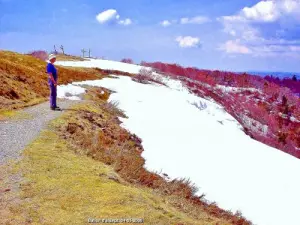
(103, 64)
(293, 119)
(230, 168)
(254, 125)
(199, 105)
(70, 91)
(208, 146)
(228, 89)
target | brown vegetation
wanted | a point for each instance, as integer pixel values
(65, 57)
(24, 79)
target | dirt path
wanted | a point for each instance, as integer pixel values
(15, 134)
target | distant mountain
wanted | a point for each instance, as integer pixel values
(275, 74)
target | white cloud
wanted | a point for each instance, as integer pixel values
(186, 20)
(111, 15)
(188, 41)
(277, 50)
(232, 33)
(125, 22)
(241, 30)
(265, 49)
(233, 18)
(267, 28)
(108, 15)
(291, 6)
(234, 47)
(295, 48)
(267, 11)
(194, 20)
(165, 23)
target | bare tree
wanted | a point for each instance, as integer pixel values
(62, 49)
(89, 53)
(83, 52)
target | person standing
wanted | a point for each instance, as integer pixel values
(52, 81)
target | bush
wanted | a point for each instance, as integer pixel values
(146, 76)
(113, 108)
(130, 61)
(42, 55)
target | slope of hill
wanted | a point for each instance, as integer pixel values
(24, 81)
(62, 186)
(186, 135)
(268, 112)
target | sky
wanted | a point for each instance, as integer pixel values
(229, 35)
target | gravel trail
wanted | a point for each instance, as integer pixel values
(15, 134)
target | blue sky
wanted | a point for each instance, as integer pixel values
(230, 35)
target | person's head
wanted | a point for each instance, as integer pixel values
(52, 58)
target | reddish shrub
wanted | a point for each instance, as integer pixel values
(292, 83)
(42, 55)
(274, 104)
(130, 61)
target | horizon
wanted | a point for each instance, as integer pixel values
(250, 72)
(237, 36)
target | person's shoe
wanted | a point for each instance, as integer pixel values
(56, 108)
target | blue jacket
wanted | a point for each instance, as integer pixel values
(51, 69)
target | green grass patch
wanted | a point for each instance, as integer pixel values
(14, 115)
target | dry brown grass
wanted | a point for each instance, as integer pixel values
(61, 57)
(24, 79)
(94, 127)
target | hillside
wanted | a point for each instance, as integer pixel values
(85, 164)
(24, 80)
(184, 134)
(65, 179)
(268, 112)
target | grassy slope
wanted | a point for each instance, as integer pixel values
(65, 188)
(24, 80)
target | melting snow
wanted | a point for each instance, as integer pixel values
(103, 64)
(70, 91)
(206, 145)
